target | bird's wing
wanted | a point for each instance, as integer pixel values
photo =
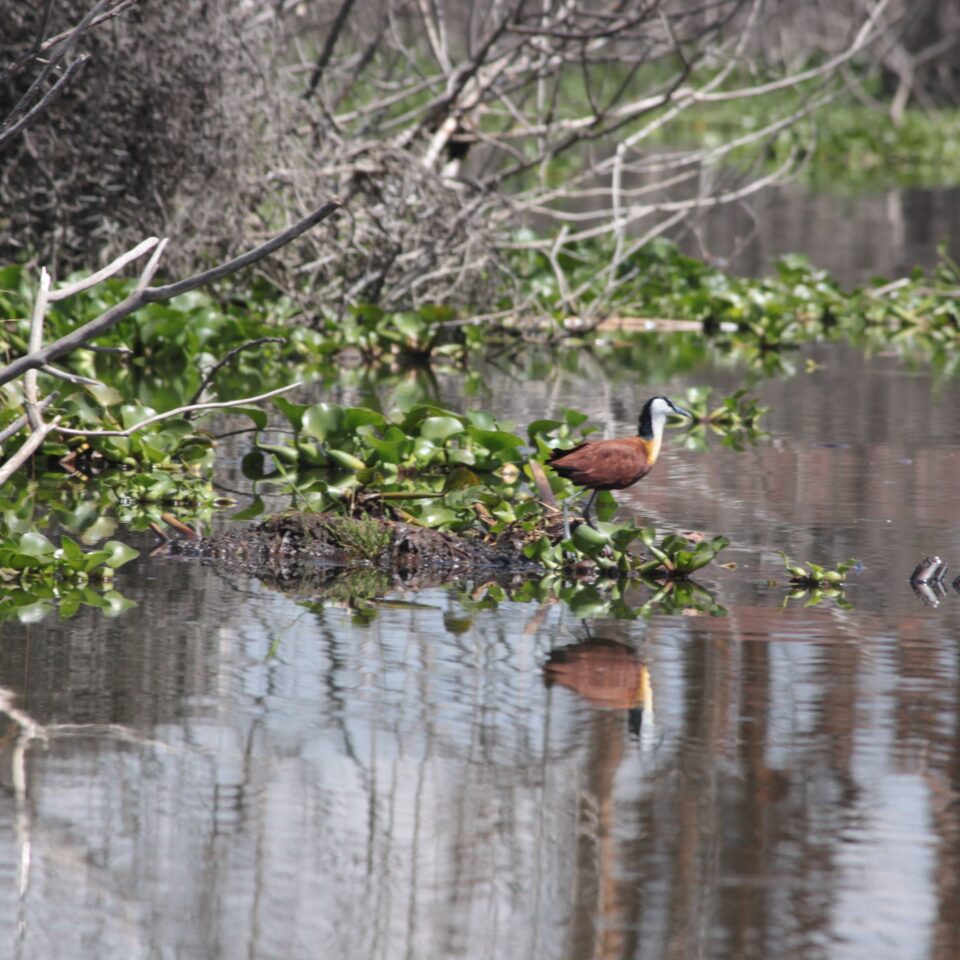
(604, 464)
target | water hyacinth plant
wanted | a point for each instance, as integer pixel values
(814, 583)
(36, 576)
(735, 419)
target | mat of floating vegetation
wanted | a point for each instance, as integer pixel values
(297, 545)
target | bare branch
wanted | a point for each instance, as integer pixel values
(27, 450)
(144, 295)
(177, 412)
(17, 425)
(220, 364)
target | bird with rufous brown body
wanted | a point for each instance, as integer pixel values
(618, 463)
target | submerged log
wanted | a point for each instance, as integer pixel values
(302, 546)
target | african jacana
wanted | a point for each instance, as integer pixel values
(615, 464)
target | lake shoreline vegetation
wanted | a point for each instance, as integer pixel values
(97, 436)
(462, 472)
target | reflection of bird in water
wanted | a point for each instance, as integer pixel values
(605, 672)
(621, 462)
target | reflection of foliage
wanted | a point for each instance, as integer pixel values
(816, 583)
(735, 420)
(816, 595)
(43, 598)
(609, 599)
(34, 573)
(681, 597)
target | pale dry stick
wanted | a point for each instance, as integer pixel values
(436, 33)
(144, 295)
(27, 450)
(35, 342)
(690, 158)
(680, 102)
(671, 206)
(441, 272)
(17, 425)
(28, 730)
(44, 296)
(554, 255)
(65, 375)
(862, 39)
(682, 208)
(115, 266)
(412, 90)
(598, 213)
(178, 411)
(684, 97)
(223, 361)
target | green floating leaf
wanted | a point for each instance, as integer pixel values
(34, 544)
(292, 411)
(323, 420)
(541, 427)
(390, 451)
(482, 419)
(104, 395)
(72, 551)
(280, 452)
(496, 441)
(255, 509)
(346, 460)
(133, 413)
(256, 414)
(354, 417)
(435, 515)
(312, 454)
(119, 553)
(588, 540)
(440, 428)
(573, 418)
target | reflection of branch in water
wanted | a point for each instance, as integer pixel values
(29, 730)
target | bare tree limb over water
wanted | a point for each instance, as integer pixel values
(144, 294)
(38, 357)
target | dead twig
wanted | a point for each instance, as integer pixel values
(177, 412)
(144, 294)
(212, 372)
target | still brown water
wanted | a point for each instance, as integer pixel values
(228, 772)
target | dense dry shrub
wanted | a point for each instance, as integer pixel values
(443, 125)
(152, 136)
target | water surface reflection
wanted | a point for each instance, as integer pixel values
(230, 772)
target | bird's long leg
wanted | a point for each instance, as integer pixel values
(586, 509)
